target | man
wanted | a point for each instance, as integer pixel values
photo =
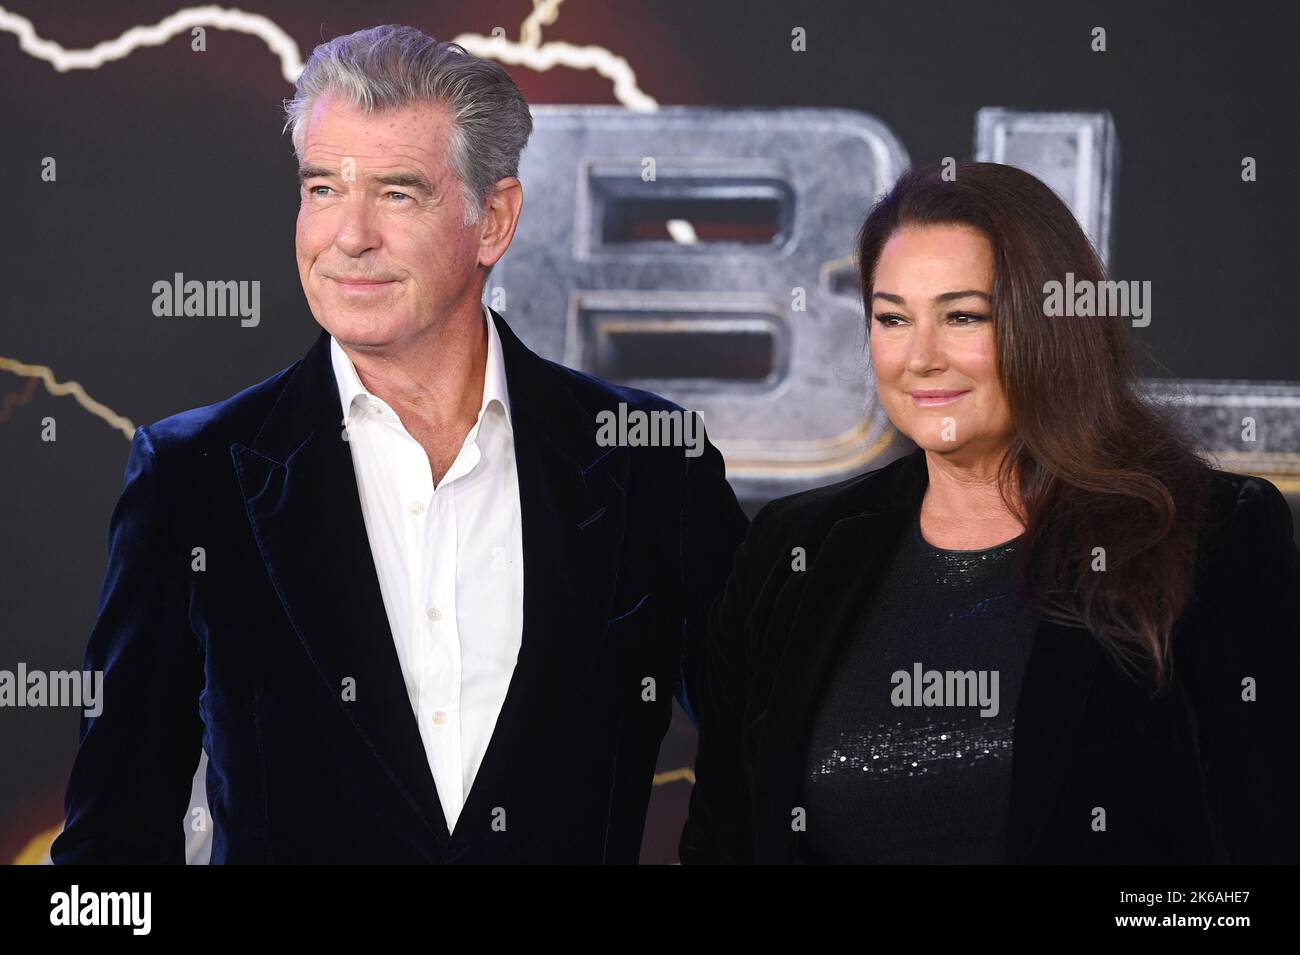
(409, 603)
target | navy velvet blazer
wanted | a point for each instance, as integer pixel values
(1198, 775)
(623, 550)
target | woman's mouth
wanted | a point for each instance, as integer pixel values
(931, 398)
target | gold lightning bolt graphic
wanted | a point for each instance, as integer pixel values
(60, 388)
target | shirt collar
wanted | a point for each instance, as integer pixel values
(494, 378)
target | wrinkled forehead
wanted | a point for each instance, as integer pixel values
(416, 132)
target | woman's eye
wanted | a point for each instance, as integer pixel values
(888, 320)
(967, 318)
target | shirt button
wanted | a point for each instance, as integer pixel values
(434, 613)
(439, 717)
(417, 508)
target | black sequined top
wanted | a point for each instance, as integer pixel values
(909, 757)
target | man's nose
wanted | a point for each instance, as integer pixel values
(357, 227)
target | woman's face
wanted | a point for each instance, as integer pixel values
(932, 342)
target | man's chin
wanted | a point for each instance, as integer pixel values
(365, 330)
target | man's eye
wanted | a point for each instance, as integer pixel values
(312, 189)
(402, 194)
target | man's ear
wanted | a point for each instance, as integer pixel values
(500, 217)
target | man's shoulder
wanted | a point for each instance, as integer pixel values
(236, 418)
(607, 408)
(597, 394)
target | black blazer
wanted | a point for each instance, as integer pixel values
(1198, 775)
(623, 548)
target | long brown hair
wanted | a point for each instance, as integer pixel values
(1095, 464)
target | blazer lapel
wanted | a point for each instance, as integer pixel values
(301, 495)
(854, 552)
(572, 503)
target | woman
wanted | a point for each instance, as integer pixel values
(1051, 634)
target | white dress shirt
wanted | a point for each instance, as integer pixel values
(450, 566)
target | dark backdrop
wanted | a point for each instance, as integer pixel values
(173, 161)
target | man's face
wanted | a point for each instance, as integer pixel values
(383, 251)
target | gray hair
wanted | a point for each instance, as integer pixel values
(389, 67)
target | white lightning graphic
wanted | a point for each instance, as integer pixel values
(182, 21)
(529, 51)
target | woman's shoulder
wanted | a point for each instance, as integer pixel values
(1246, 507)
(1234, 485)
(1247, 555)
(813, 512)
(788, 533)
